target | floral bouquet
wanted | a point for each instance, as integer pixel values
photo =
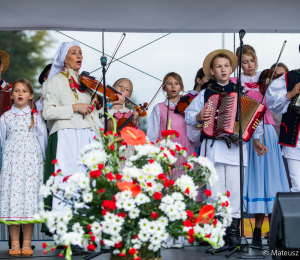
(135, 209)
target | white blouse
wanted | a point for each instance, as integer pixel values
(153, 129)
(279, 103)
(41, 131)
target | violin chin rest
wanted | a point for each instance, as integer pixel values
(184, 98)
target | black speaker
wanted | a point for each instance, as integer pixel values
(284, 238)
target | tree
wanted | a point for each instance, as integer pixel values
(26, 50)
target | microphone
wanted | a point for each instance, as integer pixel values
(299, 47)
(103, 60)
(242, 34)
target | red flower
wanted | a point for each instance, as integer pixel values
(205, 214)
(119, 176)
(151, 161)
(100, 166)
(166, 133)
(123, 143)
(100, 191)
(118, 245)
(101, 129)
(152, 143)
(95, 174)
(91, 247)
(110, 176)
(52, 248)
(187, 223)
(33, 111)
(187, 191)
(161, 148)
(54, 161)
(8, 108)
(133, 136)
(135, 237)
(102, 243)
(104, 211)
(161, 176)
(89, 226)
(167, 183)
(154, 215)
(122, 255)
(158, 140)
(208, 235)
(132, 251)
(109, 204)
(157, 195)
(137, 258)
(178, 148)
(226, 203)
(165, 155)
(191, 240)
(54, 174)
(186, 165)
(58, 171)
(94, 137)
(60, 255)
(112, 147)
(122, 158)
(172, 182)
(215, 222)
(228, 194)
(91, 233)
(175, 133)
(190, 214)
(66, 178)
(109, 132)
(184, 148)
(149, 184)
(191, 232)
(195, 154)
(116, 134)
(122, 214)
(44, 245)
(172, 152)
(45, 252)
(207, 193)
(93, 238)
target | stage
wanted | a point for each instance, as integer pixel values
(189, 252)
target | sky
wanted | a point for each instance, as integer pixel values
(182, 53)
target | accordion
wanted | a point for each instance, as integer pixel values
(295, 103)
(5, 101)
(223, 121)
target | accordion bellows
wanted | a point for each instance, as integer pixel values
(223, 122)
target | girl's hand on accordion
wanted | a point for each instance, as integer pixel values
(294, 92)
(258, 147)
(204, 115)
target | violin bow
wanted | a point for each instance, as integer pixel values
(269, 83)
(108, 65)
(168, 113)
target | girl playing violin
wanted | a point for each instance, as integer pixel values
(264, 175)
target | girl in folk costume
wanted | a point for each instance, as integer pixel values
(266, 175)
(72, 121)
(23, 136)
(219, 65)
(157, 123)
(119, 110)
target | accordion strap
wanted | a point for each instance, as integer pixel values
(217, 90)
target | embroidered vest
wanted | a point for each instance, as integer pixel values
(213, 89)
(290, 123)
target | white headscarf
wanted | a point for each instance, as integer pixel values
(58, 62)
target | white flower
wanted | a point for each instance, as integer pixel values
(151, 227)
(155, 239)
(163, 220)
(116, 251)
(141, 199)
(125, 195)
(167, 199)
(96, 228)
(122, 148)
(144, 224)
(115, 230)
(51, 225)
(134, 213)
(159, 228)
(77, 228)
(61, 228)
(129, 205)
(45, 191)
(79, 205)
(177, 196)
(57, 239)
(108, 242)
(144, 235)
(120, 204)
(116, 239)
(50, 181)
(180, 205)
(76, 239)
(87, 197)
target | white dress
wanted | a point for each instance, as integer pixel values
(22, 166)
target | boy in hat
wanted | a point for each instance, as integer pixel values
(218, 65)
(4, 63)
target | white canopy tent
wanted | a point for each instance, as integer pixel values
(267, 16)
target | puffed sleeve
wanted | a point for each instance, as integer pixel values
(2, 130)
(258, 131)
(194, 109)
(193, 135)
(276, 96)
(52, 109)
(39, 105)
(42, 135)
(153, 128)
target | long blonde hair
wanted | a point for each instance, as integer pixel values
(29, 86)
(248, 50)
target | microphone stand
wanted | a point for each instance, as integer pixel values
(103, 60)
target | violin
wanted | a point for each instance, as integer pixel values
(265, 78)
(183, 103)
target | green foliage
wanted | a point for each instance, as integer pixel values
(26, 50)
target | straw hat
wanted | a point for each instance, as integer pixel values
(4, 57)
(210, 56)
